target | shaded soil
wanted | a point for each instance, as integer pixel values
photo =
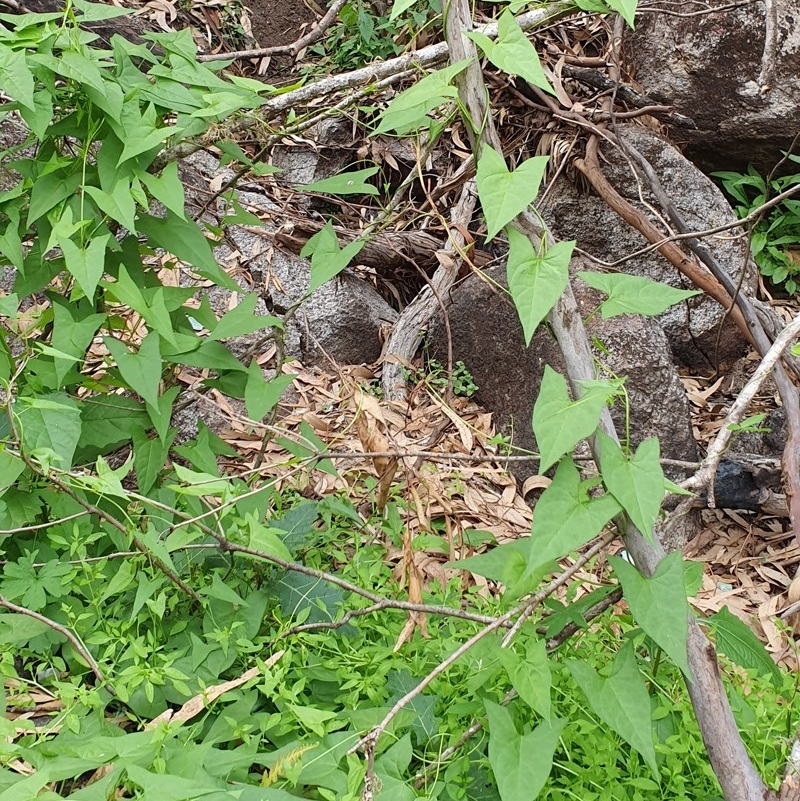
(278, 22)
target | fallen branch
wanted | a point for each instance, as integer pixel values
(73, 638)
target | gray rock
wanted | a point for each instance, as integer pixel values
(487, 336)
(341, 322)
(700, 334)
(733, 73)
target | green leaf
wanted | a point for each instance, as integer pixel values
(659, 604)
(10, 240)
(513, 52)
(210, 355)
(117, 204)
(199, 483)
(631, 294)
(48, 191)
(327, 260)
(565, 517)
(73, 330)
(637, 483)
(86, 265)
(535, 282)
(16, 78)
(40, 117)
(399, 6)
(346, 183)
(560, 423)
(152, 307)
(620, 701)
(161, 415)
(167, 188)
(185, 240)
(142, 370)
(625, 7)
(267, 539)
(108, 422)
(738, 642)
(504, 563)
(530, 676)
(505, 194)
(52, 422)
(260, 394)
(410, 108)
(11, 468)
(520, 763)
(242, 320)
(149, 457)
(97, 12)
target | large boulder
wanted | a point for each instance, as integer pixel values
(702, 337)
(487, 336)
(733, 71)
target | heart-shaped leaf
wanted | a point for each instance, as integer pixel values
(505, 194)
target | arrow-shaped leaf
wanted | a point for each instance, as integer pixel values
(505, 194)
(535, 282)
(659, 604)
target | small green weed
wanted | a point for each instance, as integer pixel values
(775, 243)
(363, 36)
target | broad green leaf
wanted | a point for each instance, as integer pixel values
(48, 191)
(625, 7)
(152, 307)
(560, 423)
(16, 79)
(11, 468)
(199, 483)
(659, 604)
(520, 763)
(637, 483)
(149, 457)
(185, 240)
(504, 563)
(513, 52)
(86, 265)
(10, 240)
(142, 370)
(530, 676)
(161, 415)
(167, 188)
(40, 117)
(535, 282)
(262, 395)
(738, 642)
(327, 259)
(631, 294)
(242, 320)
(566, 517)
(346, 183)
(267, 539)
(223, 104)
(505, 194)
(297, 593)
(106, 481)
(620, 701)
(97, 12)
(399, 6)
(81, 69)
(52, 422)
(410, 108)
(73, 330)
(210, 355)
(109, 422)
(117, 204)
(312, 718)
